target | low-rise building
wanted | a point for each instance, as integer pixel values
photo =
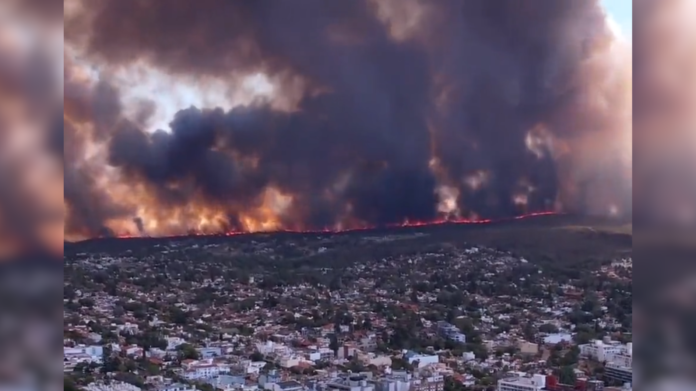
(451, 332)
(518, 382)
(321, 354)
(285, 386)
(394, 382)
(528, 347)
(175, 387)
(111, 386)
(605, 350)
(72, 356)
(618, 358)
(350, 383)
(422, 359)
(225, 382)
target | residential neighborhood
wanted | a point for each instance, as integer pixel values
(185, 316)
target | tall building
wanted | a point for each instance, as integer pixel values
(618, 372)
(618, 358)
(606, 350)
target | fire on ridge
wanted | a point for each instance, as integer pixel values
(406, 224)
(262, 116)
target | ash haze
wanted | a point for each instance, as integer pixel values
(308, 115)
(665, 115)
(31, 185)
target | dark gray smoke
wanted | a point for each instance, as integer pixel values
(463, 90)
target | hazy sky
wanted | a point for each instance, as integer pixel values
(622, 12)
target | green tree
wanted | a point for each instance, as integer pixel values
(367, 323)
(571, 357)
(187, 352)
(528, 332)
(333, 343)
(205, 387)
(178, 316)
(86, 302)
(478, 349)
(399, 364)
(453, 385)
(548, 328)
(152, 369)
(583, 337)
(69, 384)
(567, 375)
(355, 365)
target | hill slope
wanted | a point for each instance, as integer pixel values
(566, 239)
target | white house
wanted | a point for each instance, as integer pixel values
(195, 370)
(423, 359)
(128, 328)
(321, 354)
(81, 354)
(94, 351)
(290, 361)
(175, 387)
(111, 386)
(255, 367)
(173, 342)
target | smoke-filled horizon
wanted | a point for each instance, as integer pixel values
(31, 186)
(207, 116)
(665, 112)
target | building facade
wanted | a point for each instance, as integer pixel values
(522, 383)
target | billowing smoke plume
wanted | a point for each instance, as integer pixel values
(31, 209)
(362, 112)
(665, 111)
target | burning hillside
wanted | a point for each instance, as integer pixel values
(268, 116)
(406, 224)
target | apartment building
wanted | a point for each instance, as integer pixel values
(520, 382)
(450, 331)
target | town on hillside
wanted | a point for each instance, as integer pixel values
(387, 312)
